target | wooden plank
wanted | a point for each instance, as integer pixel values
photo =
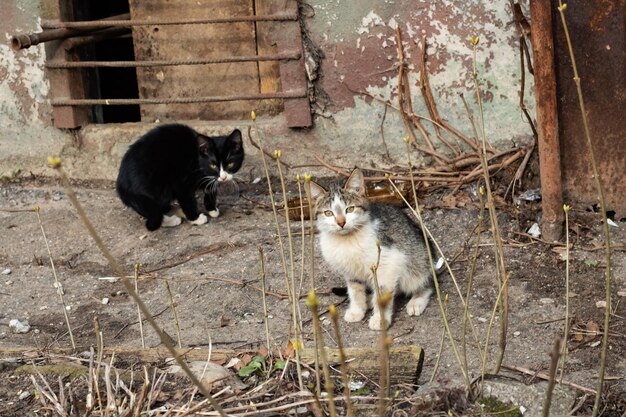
(195, 41)
(293, 73)
(405, 362)
(66, 83)
(269, 72)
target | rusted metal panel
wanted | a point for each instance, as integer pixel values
(166, 42)
(292, 73)
(598, 32)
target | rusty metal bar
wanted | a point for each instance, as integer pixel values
(131, 64)
(175, 100)
(280, 17)
(547, 120)
(27, 40)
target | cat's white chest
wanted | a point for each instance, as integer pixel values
(351, 255)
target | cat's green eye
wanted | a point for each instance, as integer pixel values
(328, 213)
(350, 209)
(213, 166)
(230, 165)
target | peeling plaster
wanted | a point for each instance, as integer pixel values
(365, 54)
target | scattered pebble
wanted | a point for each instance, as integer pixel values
(601, 304)
(482, 319)
(19, 326)
(6, 271)
(516, 334)
(105, 300)
(611, 223)
(142, 237)
(9, 282)
(596, 343)
(57, 195)
(356, 385)
(256, 180)
(546, 300)
(534, 230)
(621, 293)
(68, 308)
(522, 409)
(24, 395)
(59, 288)
(43, 308)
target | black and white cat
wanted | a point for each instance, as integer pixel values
(171, 162)
(349, 227)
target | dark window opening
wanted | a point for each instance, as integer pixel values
(109, 83)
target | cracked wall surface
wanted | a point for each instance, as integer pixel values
(359, 68)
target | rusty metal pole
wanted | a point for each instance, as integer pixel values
(547, 119)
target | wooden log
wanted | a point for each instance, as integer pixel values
(405, 362)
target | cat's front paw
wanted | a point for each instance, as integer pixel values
(214, 213)
(417, 305)
(171, 221)
(353, 315)
(375, 323)
(202, 219)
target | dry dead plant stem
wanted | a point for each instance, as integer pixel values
(566, 321)
(427, 241)
(607, 236)
(295, 306)
(136, 276)
(173, 310)
(117, 269)
(554, 361)
(493, 217)
(311, 203)
(313, 304)
(429, 99)
(342, 359)
(470, 279)
(440, 351)
(263, 286)
(274, 211)
(57, 283)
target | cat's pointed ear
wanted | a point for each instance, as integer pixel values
(317, 191)
(355, 182)
(236, 138)
(205, 145)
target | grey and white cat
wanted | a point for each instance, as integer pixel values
(349, 228)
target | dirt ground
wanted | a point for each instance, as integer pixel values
(213, 274)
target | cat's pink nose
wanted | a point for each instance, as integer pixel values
(341, 221)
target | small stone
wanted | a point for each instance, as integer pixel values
(68, 308)
(601, 304)
(24, 395)
(9, 282)
(43, 308)
(621, 293)
(19, 326)
(596, 343)
(534, 230)
(142, 237)
(105, 300)
(516, 334)
(546, 300)
(6, 271)
(482, 319)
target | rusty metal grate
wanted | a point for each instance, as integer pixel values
(71, 103)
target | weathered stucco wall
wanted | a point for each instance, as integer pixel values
(26, 134)
(357, 39)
